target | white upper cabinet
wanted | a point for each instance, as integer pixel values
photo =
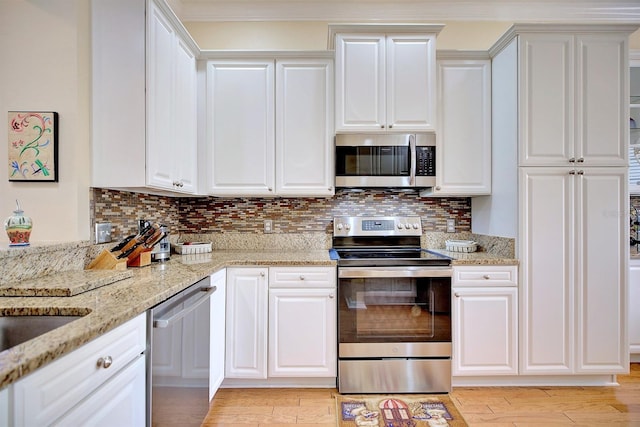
(304, 127)
(171, 107)
(567, 115)
(463, 140)
(385, 77)
(144, 99)
(241, 138)
(269, 127)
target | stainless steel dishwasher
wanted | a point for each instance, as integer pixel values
(178, 357)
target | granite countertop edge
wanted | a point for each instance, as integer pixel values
(112, 305)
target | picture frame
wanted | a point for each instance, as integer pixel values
(33, 146)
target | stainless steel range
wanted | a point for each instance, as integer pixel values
(394, 308)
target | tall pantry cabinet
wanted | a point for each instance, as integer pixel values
(560, 120)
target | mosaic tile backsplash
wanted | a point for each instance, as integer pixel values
(289, 215)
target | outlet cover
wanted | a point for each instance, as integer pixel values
(268, 226)
(451, 226)
(103, 232)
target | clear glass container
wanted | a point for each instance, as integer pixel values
(18, 227)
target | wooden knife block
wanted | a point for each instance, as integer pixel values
(107, 260)
(144, 258)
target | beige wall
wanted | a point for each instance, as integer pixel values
(313, 35)
(44, 45)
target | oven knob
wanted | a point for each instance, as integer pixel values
(394, 350)
(415, 226)
(399, 226)
(407, 226)
(339, 226)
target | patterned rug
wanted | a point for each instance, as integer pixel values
(407, 410)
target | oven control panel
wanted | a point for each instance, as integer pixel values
(377, 226)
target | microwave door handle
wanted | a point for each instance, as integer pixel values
(412, 159)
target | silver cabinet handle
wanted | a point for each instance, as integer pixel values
(105, 362)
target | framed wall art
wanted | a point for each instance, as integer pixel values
(33, 146)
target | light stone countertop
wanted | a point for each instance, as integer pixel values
(108, 306)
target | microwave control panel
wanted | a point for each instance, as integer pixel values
(426, 161)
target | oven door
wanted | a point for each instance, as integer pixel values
(394, 312)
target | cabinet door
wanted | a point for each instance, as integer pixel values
(488, 347)
(634, 309)
(601, 240)
(546, 99)
(410, 82)
(217, 328)
(184, 145)
(160, 99)
(240, 109)
(547, 270)
(464, 127)
(302, 333)
(602, 110)
(246, 323)
(360, 82)
(119, 402)
(304, 127)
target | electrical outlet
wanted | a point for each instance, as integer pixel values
(268, 226)
(451, 226)
(103, 232)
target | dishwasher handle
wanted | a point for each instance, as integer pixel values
(166, 322)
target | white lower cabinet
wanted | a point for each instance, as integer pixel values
(302, 322)
(80, 388)
(217, 328)
(484, 309)
(246, 323)
(634, 310)
(281, 322)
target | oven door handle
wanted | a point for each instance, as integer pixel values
(360, 272)
(166, 322)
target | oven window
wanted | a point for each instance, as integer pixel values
(373, 161)
(374, 310)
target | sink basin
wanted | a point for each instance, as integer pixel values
(15, 330)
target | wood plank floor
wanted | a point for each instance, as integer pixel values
(480, 406)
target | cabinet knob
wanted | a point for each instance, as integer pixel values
(457, 295)
(486, 277)
(580, 172)
(301, 277)
(572, 172)
(331, 296)
(270, 189)
(105, 362)
(572, 160)
(262, 274)
(580, 160)
(438, 188)
(390, 126)
(381, 126)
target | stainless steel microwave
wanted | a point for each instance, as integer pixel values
(385, 160)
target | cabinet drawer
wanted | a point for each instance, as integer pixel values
(296, 277)
(48, 393)
(485, 275)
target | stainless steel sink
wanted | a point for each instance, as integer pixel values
(15, 330)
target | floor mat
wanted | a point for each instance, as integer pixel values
(403, 410)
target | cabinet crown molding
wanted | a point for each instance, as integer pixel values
(541, 28)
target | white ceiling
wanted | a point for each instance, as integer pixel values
(409, 10)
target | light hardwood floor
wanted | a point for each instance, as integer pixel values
(480, 406)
